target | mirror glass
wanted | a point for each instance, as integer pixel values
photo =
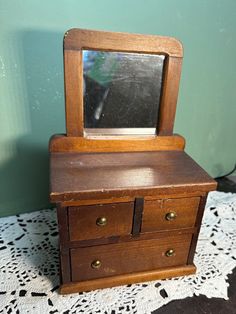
(121, 91)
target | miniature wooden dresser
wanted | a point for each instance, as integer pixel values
(129, 205)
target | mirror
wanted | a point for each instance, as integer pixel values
(121, 92)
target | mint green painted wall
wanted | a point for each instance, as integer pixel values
(31, 81)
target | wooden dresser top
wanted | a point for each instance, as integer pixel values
(102, 175)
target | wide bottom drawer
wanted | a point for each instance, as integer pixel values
(122, 258)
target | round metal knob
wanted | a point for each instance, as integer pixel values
(170, 252)
(171, 216)
(96, 264)
(101, 221)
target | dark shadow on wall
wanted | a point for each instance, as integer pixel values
(24, 179)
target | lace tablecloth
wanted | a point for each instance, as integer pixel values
(29, 267)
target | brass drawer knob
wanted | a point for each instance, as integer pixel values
(96, 264)
(101, 221)
(170, 253)
(171, 216)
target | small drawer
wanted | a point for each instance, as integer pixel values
(135, 256)
(173, 213)
(98, 221)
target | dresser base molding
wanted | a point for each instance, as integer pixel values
(108, 282)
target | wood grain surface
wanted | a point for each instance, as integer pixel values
(108, 282)
(129, 257)
(77, 39)
(198, 227)
(82, 221)
(99, 176)
(154, 214)
(62, 143)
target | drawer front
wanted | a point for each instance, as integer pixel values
(169, 214)
(98, 221)
(121, 258)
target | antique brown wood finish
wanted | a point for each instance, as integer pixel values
(129, 206)
(169, 96)
(127, 199)
(84, 220)
(128, 238)
(170, 214)
(137, 216)
(76, 40)
(108, 282)
(73, 92)
(198, 226)
(79, 176)
(122, 258)
(65, 270)
(62, 143)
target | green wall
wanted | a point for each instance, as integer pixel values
(31, 81)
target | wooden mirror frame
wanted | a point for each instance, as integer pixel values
(77, 40)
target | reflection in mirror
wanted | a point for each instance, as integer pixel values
(122, 90)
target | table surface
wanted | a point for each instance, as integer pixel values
(90, 175)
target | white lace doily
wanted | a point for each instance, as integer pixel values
(29, 267)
